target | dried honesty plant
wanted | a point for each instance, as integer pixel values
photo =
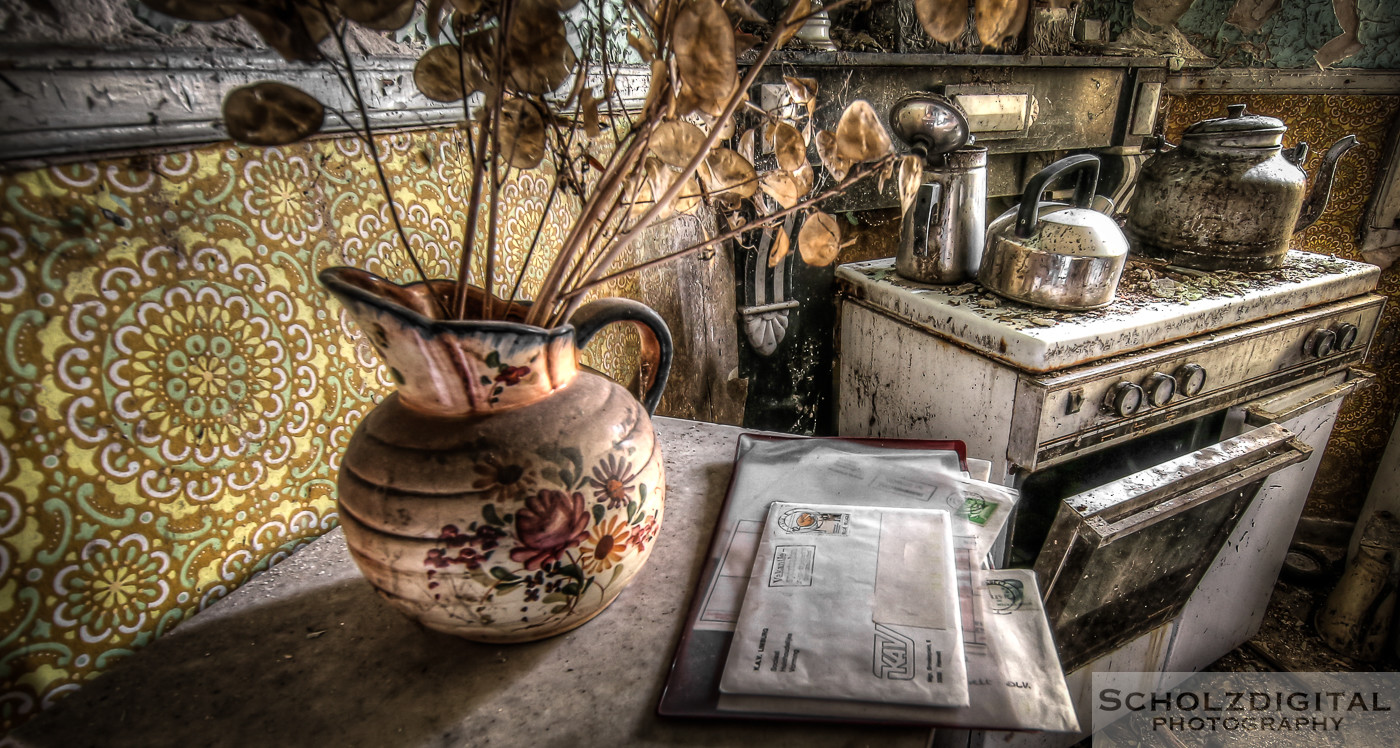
(538, 85)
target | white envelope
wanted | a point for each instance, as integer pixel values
(851, 602)
(833, 471)
(1013, 671)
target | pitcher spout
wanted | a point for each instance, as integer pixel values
(1322, 183)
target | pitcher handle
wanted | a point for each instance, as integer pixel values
(656, 340)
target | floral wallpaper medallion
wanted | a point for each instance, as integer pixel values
(177, 389)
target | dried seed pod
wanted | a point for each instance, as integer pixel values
(746, 144)
(538, 58)
(779, 250)
(318, 24)
(819, 240)
(703, 40)
(676, 142)
(803, 92)
(804, 178)
(860, 136)
(911, 176)
(835, 163)
(432, 15)
(741, 10)
(944, 20)
(380, 15)
(999, 22)
(282, 28)
(642, 42)
(729, 176)
(439, 74)
(789, 146)
(638, 192)
(686, 200)
(782, 187)
(521, 134)
(588, 107)
(725, 128)
(271, 113)
(191, 10)
(791, 24)
(658, 89)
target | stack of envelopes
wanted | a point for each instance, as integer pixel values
(848, 581)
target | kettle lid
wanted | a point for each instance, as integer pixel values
(1238, 121)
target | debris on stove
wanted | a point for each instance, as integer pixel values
(1143, 284)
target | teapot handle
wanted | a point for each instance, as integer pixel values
(1087, 165)
(657, 349)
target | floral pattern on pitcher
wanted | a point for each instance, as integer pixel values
(559, 546)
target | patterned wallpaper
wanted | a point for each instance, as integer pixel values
(1363, 428)
(177, 389)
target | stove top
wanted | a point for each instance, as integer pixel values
(1155, 304)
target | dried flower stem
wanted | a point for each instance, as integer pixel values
(338, 31)
(550, 295)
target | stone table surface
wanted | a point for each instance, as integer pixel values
(254, 669)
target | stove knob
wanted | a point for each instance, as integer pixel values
(1320, 343)
(1124, 398)
(1159, 388)
(1190, 379)
(1346, 334)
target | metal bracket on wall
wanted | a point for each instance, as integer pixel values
(766, 322)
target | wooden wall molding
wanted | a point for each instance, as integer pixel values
(60, 104)
(1279, 81)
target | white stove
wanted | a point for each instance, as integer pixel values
(1197, 404)
(1154, 305)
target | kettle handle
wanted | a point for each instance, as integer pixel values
(1086, 164)
(657, 348)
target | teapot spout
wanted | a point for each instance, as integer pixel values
(1322, 183)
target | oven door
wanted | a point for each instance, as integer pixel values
(1122, 559)
(1227, 607)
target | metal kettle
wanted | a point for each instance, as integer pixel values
(1055, 255)
(1230, 197)
(941, 232)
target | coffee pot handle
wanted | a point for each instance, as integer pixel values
(657, 349)
(1087, 166)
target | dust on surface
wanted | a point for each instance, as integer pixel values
(1144, 284)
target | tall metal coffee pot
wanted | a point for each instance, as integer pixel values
(1230, 197)
(942, 232)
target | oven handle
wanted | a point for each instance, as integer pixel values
(1291, 452)
(1356, 378)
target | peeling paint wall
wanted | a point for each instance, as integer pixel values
(1289, 38)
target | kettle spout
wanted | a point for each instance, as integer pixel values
(1322, 183)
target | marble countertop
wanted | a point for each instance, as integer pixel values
(306, 655)
(1154, 305)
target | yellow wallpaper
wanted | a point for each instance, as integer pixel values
(1363, 428)
(177, 389)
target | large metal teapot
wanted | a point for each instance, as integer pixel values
(1230, 197)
